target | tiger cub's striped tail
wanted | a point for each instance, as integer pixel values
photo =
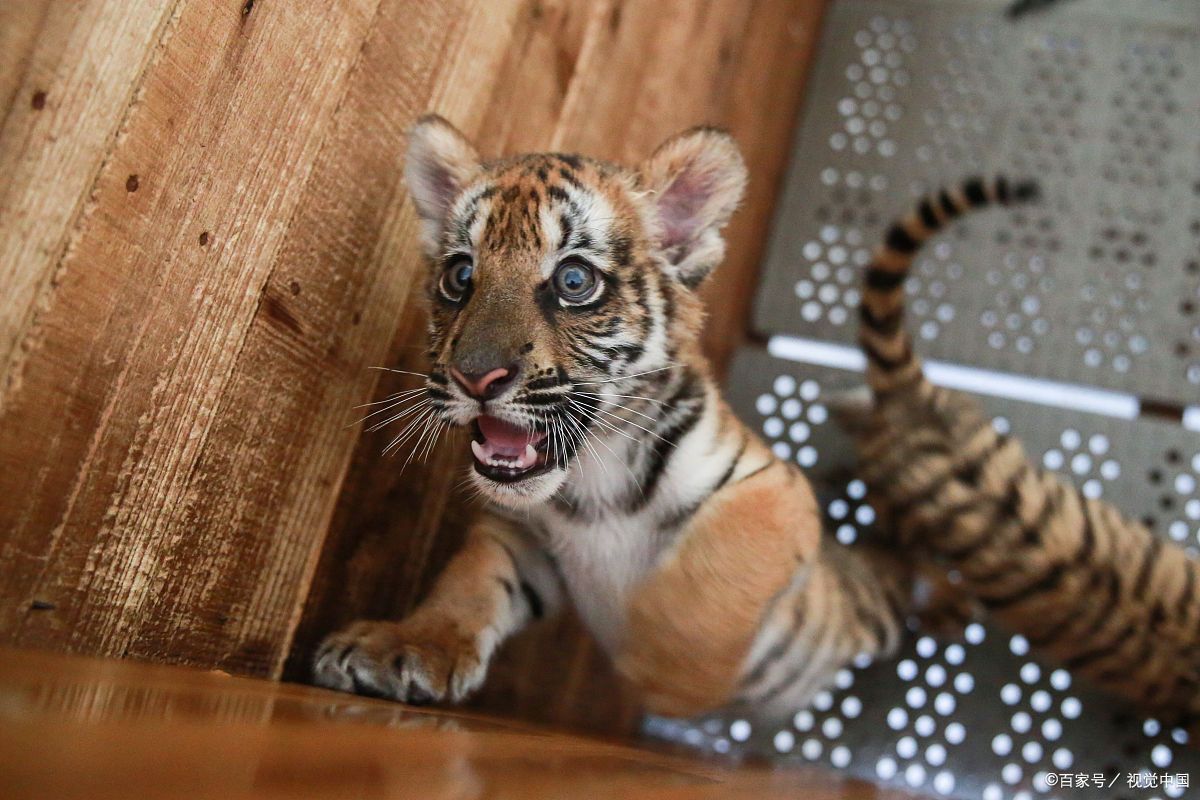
(891, 363)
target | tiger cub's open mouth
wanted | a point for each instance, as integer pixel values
(506, 452)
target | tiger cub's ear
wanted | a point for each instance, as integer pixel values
(440, 162)
(696, 180)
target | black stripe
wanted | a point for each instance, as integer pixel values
(539, 384)
(899, 240)
(779, 649)
(567, 176)
(509, 589)
(888, 364)
(620, 250)
(1112, 599)
(1189, 589)
(884, 279)
(861, 603)
(598, 364)
(570, 159)
(1030, 534)
(752, 473)
(536, 608)
(684, 513)
(1026, 191)
(1083, 660)
(1002, 192)
(664, 448)
(664, 444)
(1088, 534)
(899, 387)
(1046, 583)
(541, 399)
(887, 325)
(929, 217)
(641, 291)
(732, 464)
(1143, 578)
(568, 227)
(975, 193)
(794, 674)
(949, 207)
(1057, 629)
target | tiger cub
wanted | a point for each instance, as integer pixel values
(564, 335)
(1092, 589)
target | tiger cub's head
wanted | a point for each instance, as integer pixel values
(558, 282)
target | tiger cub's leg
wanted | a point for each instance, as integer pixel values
(693, 619)
(851, 603)
(753, 602)
(497, 583)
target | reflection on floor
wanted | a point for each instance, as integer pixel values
(88, 728)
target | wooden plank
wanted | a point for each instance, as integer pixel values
(68, 74)
(770, 63)
(335, 292)
(140, 337)
(611, 79)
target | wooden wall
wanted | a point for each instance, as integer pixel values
(205, 243)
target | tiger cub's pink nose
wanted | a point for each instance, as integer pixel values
(485, 386)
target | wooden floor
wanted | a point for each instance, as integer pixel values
(87, 729)
(204, 246)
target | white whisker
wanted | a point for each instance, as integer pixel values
(609, 426)
(627, 377)
(426, 429)
(582, 433)
(401, 415)
(619, 460)
(634, 424)
(654, 400)
(401, 371)
(383, 410)
(391, 397)
(630, 410)
(409, 430)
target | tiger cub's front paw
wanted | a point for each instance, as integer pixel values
(414, 661)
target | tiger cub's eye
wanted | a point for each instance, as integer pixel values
(456, 279)
(574, 281)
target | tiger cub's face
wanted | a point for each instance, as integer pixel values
(556, 280)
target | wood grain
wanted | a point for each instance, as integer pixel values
(138, 342)
(70, 77)
(192, 304)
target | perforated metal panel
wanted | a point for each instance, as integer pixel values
(1100, 283)
(978, 717)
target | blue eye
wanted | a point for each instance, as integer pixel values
(574, 281)
(457, 278)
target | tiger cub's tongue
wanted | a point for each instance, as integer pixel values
(505, 440)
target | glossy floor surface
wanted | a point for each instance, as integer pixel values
(87, 728)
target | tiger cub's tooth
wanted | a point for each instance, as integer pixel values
(479, 452)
